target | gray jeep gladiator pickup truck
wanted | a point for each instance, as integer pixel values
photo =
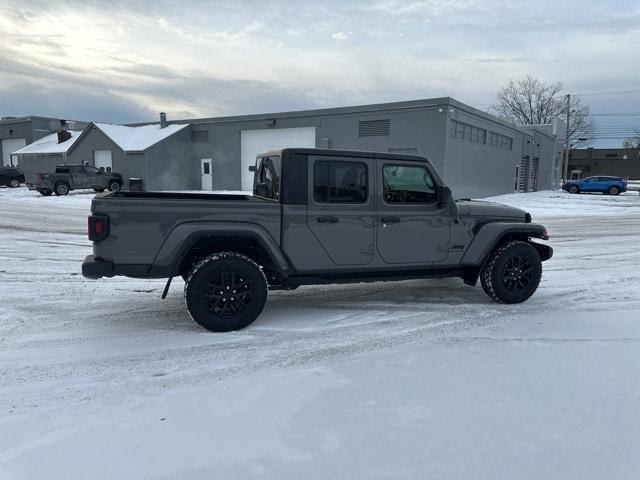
(75, 177)
(315, 216)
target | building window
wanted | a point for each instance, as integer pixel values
(199, 136)
(373, 128)
(339, 182)
(464, 131)
(500, 141)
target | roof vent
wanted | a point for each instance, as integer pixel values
(373, 128)
(163, 119)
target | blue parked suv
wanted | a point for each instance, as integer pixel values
(604, 185)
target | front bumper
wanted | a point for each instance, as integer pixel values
(95, 267)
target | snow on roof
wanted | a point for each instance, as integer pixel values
(49, 144)
(134, 139)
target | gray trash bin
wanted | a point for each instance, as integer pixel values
(135, 185)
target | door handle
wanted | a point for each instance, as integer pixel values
(327, 219)
(389, 219)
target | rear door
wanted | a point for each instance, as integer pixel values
(91, 175)
(78, 177)
(411, 228)
(341, 208)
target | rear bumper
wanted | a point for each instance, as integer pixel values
(94, 267)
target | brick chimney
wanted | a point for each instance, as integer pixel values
(63, 133)
(163, 119)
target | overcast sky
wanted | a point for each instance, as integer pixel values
(124, 61)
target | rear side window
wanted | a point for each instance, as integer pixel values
(267, 178)
(340, 182)
(408, 184)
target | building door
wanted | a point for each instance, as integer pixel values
(533, 176)
(102, 159)
(340, 211)
(254, 142)
(412, 229)
(206, 173)
(9, 146)
(523, 173)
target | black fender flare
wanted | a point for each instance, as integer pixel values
(492, 234)
(185, 235)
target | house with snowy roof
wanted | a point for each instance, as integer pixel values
(148, 152)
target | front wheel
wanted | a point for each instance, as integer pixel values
(45, 191)
(225, 291)
(574, 189)
(614, 191)
(512, 273)
(61, 189)
(114, 186)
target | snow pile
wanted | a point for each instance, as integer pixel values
(134, 139)
(562, 204)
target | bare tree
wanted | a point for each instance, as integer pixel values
(530, 101)
(633, 141)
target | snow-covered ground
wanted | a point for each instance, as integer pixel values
(416, 379)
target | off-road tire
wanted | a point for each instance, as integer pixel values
(512, 272)
(61, 189)
(98, 190)
(45, 191)
(13, 183)
(613, 191)
(225, 272)
(114, 186)
(573, 189)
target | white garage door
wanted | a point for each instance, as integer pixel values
(102, 159)
(9, 146)
(253, 142)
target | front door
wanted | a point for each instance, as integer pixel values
(206, 173)
(341, 208)
(411, 227)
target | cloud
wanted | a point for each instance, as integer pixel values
(341, 35)
(135, 58)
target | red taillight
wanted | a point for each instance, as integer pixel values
(98, 227)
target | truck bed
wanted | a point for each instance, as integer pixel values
(185, 195)
(141, 222)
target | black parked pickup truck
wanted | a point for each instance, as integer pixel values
(11, 176)
(76, 177)
(315, 216)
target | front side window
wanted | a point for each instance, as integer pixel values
(408, 184)
(339, 182)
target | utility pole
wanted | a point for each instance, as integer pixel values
(566, 140)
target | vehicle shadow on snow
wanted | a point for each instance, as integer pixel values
(311, 306)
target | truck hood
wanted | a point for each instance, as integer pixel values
(496, 211)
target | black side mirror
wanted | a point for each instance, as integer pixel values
(252, 168)
(444, 196)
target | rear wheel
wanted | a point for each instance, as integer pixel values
(98, 190)
(14, 183)
(61, 189)
(512, 273)
(574, 189)
(45, 191)
(613, 191)
(225, 291)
